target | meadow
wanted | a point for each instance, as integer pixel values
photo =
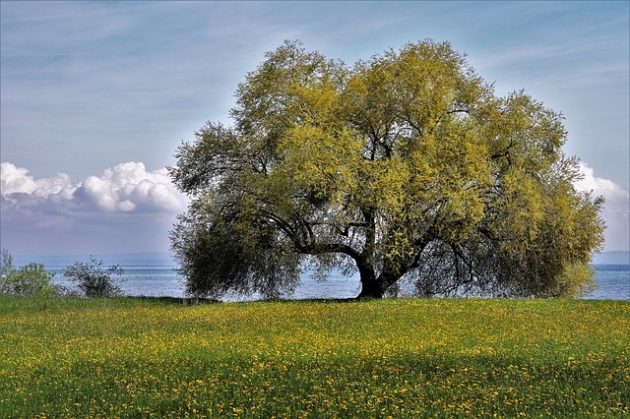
(388, 358)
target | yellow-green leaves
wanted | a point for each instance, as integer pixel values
(405, 164)
(320, 164)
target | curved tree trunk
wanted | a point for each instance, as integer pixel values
(371, 286)
(370, 289)
(375, 287)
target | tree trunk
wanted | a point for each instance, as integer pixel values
(370, 290)
(375, 287)
(370, 285)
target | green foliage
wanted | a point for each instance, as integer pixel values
(31, 279)
(404, 358)
(28, 280)
(406, 166)
(93, 279)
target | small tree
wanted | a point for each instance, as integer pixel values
(31, 279)
(93, 279)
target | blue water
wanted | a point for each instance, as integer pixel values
(613, 283)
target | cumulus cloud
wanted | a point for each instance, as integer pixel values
(616, 197)
(124, 188)
(127, 208)
(600, 186)
(616, 212)
(129, 187)
(16, 180)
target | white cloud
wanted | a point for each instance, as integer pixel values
(601, 186)
(16, 180)
(130, 187)
(127, 208)
(126, 187)
(616, 212)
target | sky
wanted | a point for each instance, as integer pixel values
(95, 97)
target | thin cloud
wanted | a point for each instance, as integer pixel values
(526, 54)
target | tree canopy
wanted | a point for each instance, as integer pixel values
(403, 166)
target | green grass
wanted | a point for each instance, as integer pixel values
(400, 358)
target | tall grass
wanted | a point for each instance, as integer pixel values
(400, 358)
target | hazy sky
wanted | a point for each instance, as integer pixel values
(96, 96)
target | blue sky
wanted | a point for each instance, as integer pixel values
(96, 96)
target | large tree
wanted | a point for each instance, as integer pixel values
(404, 166)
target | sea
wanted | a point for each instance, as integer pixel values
(156, 275)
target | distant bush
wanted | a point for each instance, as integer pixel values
(93, 279)
(31, 279)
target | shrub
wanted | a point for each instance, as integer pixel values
(93, 279)
(31, 279)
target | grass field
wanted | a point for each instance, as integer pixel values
(399, 358)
